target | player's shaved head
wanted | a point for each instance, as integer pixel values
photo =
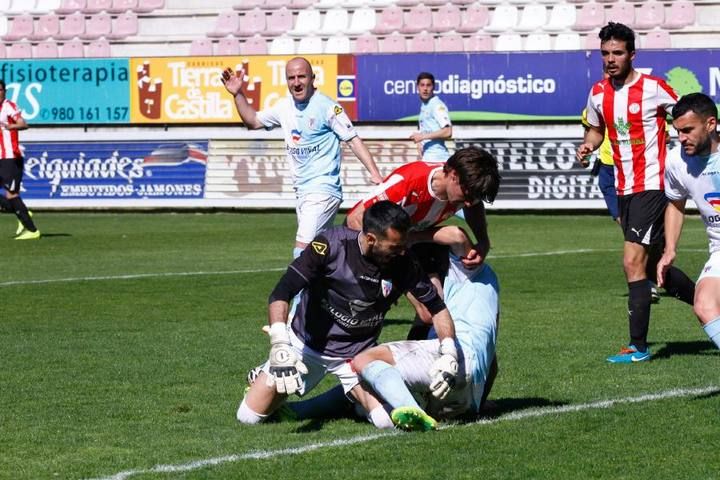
(385, 215)
(298, 61)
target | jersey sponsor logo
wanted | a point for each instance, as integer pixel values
(338, 110)
(634, 108)
(358, 306)
(622, 126)
(351, 321)
(369, 279)
(296, 135)
(319, 247)
(386, 286)
(713, 198)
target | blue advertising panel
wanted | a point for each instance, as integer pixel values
(69, 91)
(487, 86)
(514, 86)
(111, 170)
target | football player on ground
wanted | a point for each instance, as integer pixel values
(632, 106)
(693, 171)
(349, 280)
(397, 372)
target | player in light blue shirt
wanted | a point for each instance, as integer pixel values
(692, 171)
(434, 122)
(313, 126)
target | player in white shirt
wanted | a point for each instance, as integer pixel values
(313, 126)
(433, 122)
(693, 171)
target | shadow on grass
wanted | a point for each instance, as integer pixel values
(685, 348)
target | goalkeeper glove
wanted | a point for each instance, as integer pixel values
(285, 366)
(444, 370)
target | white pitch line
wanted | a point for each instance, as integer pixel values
(12, 283)
(532, 413)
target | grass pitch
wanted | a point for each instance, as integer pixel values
(125, 340)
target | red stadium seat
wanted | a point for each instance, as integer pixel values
(19, 50)
(228, 46)
(47, 49)
(3, 50)
(70, 6)
(125, 25)
(98, 25)
(479, 43)
(680, 14)
(275, 4)
(279, 22)
(71, 26)
(621, 12)
(120, 6)
(99, 48)
(46, 27)
(390, 20)
(394, 43)
(20, 27)
(147, 6)
(416, 20)
(589, 17)
(366, 43)
(97, 6)
(72, 49)
(254, 46)
(227, 23)
(249, 4)
(657, 39)
(201, 47)
(474, 19)
(449, 43)
(422, 43)
(251, 23)
(446, 19)
(649, 15)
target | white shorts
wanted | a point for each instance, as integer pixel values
(315, 214)
(711, 268)
(318, 366)
(413, 359)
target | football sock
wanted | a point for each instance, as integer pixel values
(380, 418)
(639, 312)
(330, 404)
(388, 383)
(21, 211)
(713, 331)
(419, 330)
(5, 204)
(247, 416)
(679, 285)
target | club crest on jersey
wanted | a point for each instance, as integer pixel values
(386, 286)
(296, 135)
(634, 108)
(713, 198)
(319, 247)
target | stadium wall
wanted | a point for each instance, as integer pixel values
(161, 132)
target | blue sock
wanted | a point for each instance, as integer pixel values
(713, 331)
(388, 383)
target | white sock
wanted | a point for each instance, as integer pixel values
(380, 418)
(713, 331)
(247, 416)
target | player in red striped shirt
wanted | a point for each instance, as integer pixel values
(11, 166)
(633, 107)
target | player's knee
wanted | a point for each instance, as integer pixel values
(247, 415)
(706, 308)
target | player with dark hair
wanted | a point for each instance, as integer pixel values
(632, 106)
(349, 280)
(433, 192)
(693, 171)
(11, 166)
(434, 125)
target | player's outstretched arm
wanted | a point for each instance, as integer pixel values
(363, 154)
(234, 84)
(674, 217)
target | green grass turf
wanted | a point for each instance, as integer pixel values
(100, 374)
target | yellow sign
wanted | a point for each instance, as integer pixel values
(189, 90)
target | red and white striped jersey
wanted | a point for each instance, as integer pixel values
(9, 145)
(635, 118)
(410, 187)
